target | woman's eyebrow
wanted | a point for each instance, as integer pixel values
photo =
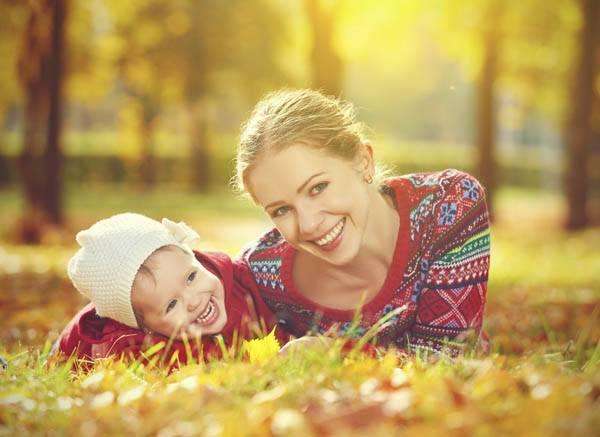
(306, 182)
(299, 189)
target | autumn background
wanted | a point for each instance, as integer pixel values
(108, 106)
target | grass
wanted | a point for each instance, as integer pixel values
(309, 393)
(541, 378)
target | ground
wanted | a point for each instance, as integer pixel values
(541, 378)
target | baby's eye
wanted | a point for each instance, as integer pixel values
(191, 277)
(171, 305)
(318, 188)
(282, 210)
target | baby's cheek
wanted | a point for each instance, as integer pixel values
(171, 325)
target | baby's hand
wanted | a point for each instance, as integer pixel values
(308, 341)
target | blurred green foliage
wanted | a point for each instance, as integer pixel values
(138, 71)
(99, 157)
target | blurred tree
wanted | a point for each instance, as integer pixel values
(204, 50)
(535, 44)
(41, 71)
(141, 47)
(594, 199)
(188, 53)
(474, 32)
(226, 45)
(11, 23)
(399, 76)
(490, 28)
(579, 133)
(326, 64)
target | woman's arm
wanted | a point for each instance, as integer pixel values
(454, 274)
(260, 314)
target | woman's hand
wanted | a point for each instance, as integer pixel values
(308, 341)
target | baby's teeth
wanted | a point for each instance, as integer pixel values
(204, 316)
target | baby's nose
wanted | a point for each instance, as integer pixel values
(194, 301)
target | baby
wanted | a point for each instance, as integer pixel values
(147, 285)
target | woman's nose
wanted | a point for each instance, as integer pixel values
(308, 221)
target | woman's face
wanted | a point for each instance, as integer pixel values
(180, 297)
(319, 203)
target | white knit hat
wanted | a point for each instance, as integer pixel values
(112, 251)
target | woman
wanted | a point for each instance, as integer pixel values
(345, 239)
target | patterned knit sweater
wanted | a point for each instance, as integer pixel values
(439, 270)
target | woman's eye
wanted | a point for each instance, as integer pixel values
(280, 211)
(191, 277)
(318, 188)
(171, 305)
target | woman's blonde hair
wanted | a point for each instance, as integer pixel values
(287, 117)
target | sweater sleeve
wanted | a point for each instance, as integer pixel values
(137, 346)
(245, 285)
(454, 272)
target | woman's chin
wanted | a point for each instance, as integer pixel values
(339, 257)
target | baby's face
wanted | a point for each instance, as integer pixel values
(182, 298)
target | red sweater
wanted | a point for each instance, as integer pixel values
(90, 336)
(439, 269)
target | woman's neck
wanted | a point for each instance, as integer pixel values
(377, 248)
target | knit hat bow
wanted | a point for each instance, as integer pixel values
(182, 233)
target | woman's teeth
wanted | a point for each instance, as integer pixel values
(333, 234)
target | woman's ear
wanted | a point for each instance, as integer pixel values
(364, 162)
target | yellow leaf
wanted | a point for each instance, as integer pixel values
(261, 350)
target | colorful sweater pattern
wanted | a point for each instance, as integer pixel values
(439, 270)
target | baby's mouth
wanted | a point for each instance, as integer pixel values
(209, 315)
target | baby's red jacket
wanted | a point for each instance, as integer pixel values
(89, 336)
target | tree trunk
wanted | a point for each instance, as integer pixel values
(148, 116)
(4, 170)
(594, 199)
(53, 157)
(41, 73)
(196, 91)
(33, 74)
(199, 140)
(486, 119)
(579, 129)
(5, 176)
(326, 64)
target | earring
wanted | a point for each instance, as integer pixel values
(369, 179)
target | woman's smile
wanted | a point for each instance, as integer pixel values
(332, 239)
